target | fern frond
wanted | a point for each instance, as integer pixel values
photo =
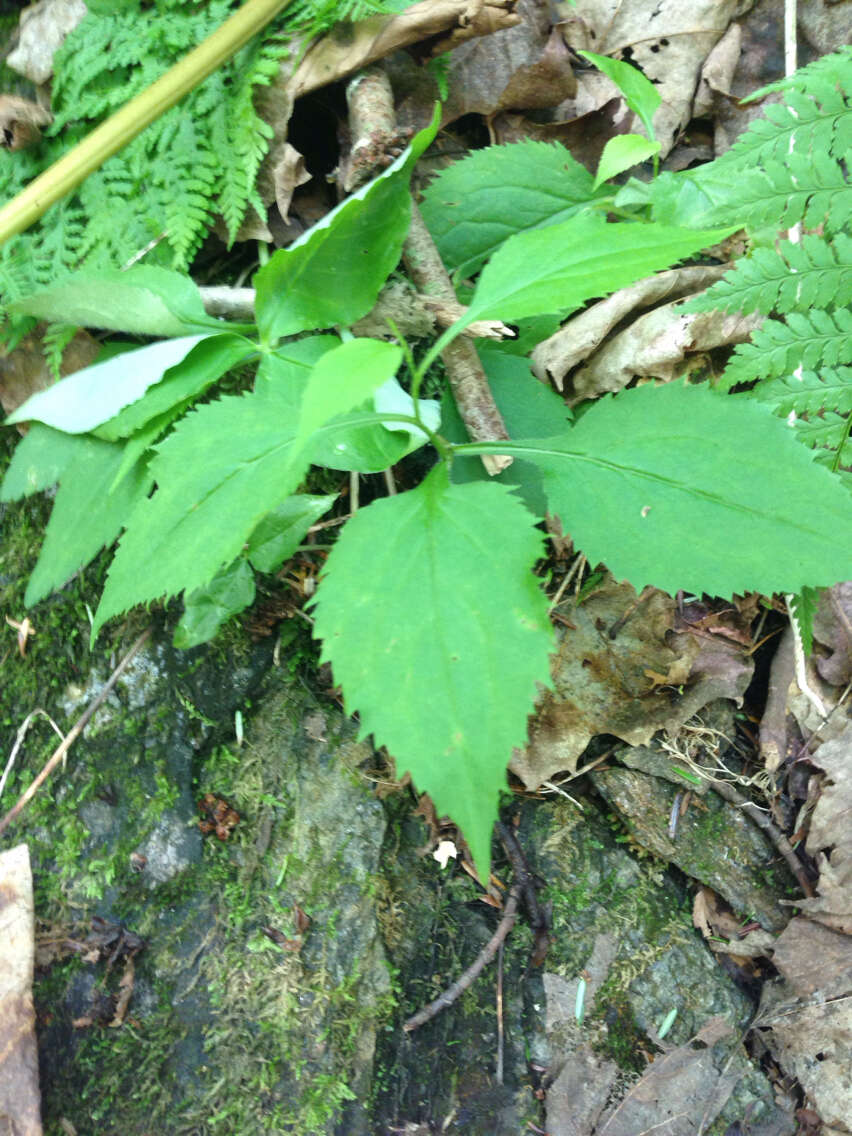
(56, 339)
(319, 16)
(812, 273)
(793, 166)
(828, 73)
(811, 189)
(821, 339)
(166, 188)
(815, 117)
(809, 393)
(829, 434)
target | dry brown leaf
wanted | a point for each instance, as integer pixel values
(717, 74)
(833, 631)
(600, 684)
(437, 25)
(582, 1079)
(703, 907)
(522, 68)
(830, 836)
(580, 337)
(756, 944)
(20, 1102)
(810, 1038)
(125, 993)
(669, 41)
(288, 173)
(681, 1093)
(659, 345)
(814, 959)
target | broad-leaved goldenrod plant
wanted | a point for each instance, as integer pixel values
(428, 609)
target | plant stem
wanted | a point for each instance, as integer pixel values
(467, 378)
(108, 138)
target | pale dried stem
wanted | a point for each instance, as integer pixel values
(72, 735)
(452, 993)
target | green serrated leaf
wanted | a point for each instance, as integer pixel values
(528, 408)
(218, 473)
(342, 379)
(38, 461)
(143, 300)
(375, 447)
(640, 94)
(622, 153)
(206, 362)
(206, 609)
(559, 268)
(681, 487)
(333, 273)
(283, 374)
(95, 394)
(228, 463)
(438, 633)
(86, 516)
(474, 205)
(284, 528)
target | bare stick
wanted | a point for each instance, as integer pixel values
(499, 1074)
(415, 315)
(72, 735)
(473, 396)
(472, 973)
(19, 741)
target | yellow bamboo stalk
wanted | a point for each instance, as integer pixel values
(122, 127)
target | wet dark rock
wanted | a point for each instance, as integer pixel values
(281, 962)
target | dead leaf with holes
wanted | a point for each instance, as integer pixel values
(668, 40)
(526, 67)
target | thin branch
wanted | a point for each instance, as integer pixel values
(466, 376)
(726, 790)
(72, 734)
(452, 993)
(526, 885)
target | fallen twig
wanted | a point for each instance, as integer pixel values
(484, 957)
(526, 885)
(72, 734)
(466, 376)
(735, 797)
(19, 741)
